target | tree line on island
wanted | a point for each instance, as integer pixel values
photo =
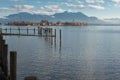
(45, 23)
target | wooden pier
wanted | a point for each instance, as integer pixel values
(40, 31)
(6, 74)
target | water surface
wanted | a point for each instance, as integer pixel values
(85, 53)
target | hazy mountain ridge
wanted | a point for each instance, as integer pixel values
(63, 17)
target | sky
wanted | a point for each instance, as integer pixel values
(102, 9)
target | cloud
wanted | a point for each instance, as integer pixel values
(93, 1)
(3, 8)
(97, 7)
(16, 8)
(49, 10)
(90, 1)
(117, 1)
(77, 6)
(23, 7)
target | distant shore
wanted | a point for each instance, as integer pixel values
(45, 23)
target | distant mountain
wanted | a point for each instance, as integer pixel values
(63, 17)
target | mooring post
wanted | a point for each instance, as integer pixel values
(2, 52)
(34, 31)
(0, 31)
(51, 36)
(13, 63)
(60, 39)
(19, 30)
(1, 38)
(55, 32)
(5, 60)
(27, 31)
(41, 31)
(60, 35)
(38, 31)
(55, 38)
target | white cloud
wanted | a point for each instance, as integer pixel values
(23, 7)
(77, 6)
(49, 10)
(18, 8)
(93, 1)
(3, 8)
(90, 1)
(97, 7)
(117, 1)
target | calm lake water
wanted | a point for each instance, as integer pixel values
(85, 53)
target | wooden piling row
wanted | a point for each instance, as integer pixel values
(48, 32)
(43, 32)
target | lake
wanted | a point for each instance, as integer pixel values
(84, 53)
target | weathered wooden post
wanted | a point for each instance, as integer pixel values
(55, 32)
(27, 31)
(55, 38)
(19, 30)
(60, 39)
(0, 31)
(2, 52)
(5, 60)
(38, 31)
(51, 36)
(51, 32)
(34, 31)
(1, 38)
(60, 35)
(31, 78)
(13, 63)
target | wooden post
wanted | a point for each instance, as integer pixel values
(5, 60)
(60, 40)
(38, 31)
(41, 31)
(13, 63)
(55, 32)
(60, 35)
(55, 38)
(0, 30)
(27, 31)
(51, 36)
(2, 52)
(19, 30)
(34, 31)
(51, 32)
(1, 38)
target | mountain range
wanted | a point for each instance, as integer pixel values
(63, 17)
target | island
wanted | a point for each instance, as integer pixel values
(45, 23)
